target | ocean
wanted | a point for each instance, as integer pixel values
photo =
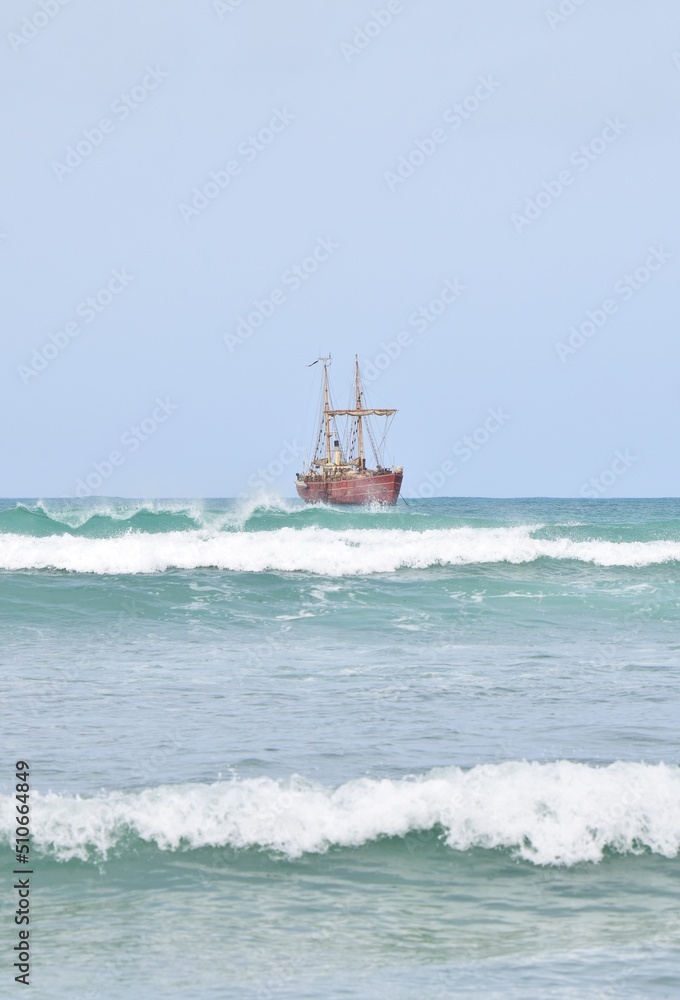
(280, 751)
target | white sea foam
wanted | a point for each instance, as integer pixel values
(317, 550)
(559, 813)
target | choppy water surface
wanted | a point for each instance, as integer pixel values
(426, 751)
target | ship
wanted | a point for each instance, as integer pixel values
(338, 473)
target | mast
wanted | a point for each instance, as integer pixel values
(327, 426)
(326, 411)
(360, 429)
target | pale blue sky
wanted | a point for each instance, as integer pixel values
(344, 108)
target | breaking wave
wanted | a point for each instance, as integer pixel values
(560, 813)
(323, 551)
(107, 517)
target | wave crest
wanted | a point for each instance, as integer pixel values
(560, 813)
(317, 550)
(105, 517)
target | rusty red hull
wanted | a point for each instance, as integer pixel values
(381, 488)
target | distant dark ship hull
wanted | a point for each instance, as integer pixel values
(377, 487)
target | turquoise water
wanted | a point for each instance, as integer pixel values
(281, 751)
